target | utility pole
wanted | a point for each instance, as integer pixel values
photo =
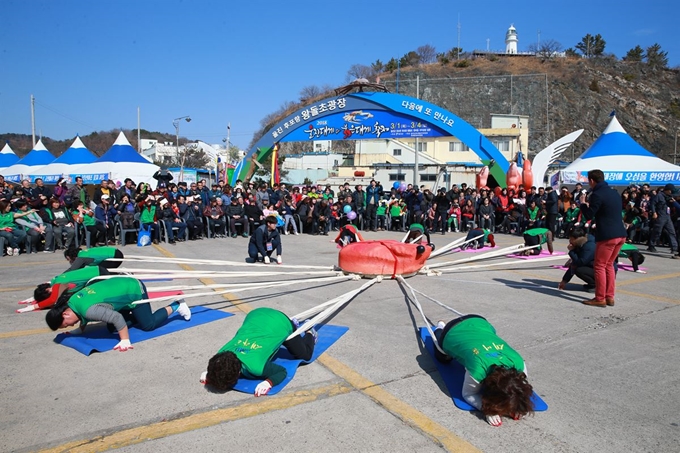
(415, 166)
(33, 118)
(458, 48)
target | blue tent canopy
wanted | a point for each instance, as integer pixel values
(77, 154)
(7, 157)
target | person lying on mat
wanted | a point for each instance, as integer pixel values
(483, 237)
(633, 254)
(46, 294)
(111, 301)
(249, 354)
(97, 256)
(537, 236)
(495, 374)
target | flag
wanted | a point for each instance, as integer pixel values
(520, 159)
(613, 113)
(275, 165)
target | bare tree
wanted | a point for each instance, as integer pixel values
(360, 71)
(546, 50)
(310, 92)
(427, 54)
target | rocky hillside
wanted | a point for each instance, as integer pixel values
(559, 96)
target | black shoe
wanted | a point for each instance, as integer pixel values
(652, 249)
(173, 242)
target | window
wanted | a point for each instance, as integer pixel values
(428, 177)
(422, 147)
(397, 177)
(458, 146)
(502, 145)
(396, 152)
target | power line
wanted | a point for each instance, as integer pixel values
(53, 110)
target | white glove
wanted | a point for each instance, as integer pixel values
(267, 260)
(494, 420)
(31, 307)
(204, 377)
(123, 345)
(279, 260)
(263, 388)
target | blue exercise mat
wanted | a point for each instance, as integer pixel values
(99, 339)
(327, 336)
(453, 374)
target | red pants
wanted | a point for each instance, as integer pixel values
(605, 277)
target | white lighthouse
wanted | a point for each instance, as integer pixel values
(511, 40)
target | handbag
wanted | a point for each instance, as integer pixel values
(144, 236)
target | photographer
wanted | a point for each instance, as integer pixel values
(659, 209)
(61, 192)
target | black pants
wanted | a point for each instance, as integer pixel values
(531, 241)
(441, 334)
(371, 216)
(112, 264)
(587, 274)
(662, 224)
(300, 347)
(195, 228)
(551, 222)
(439, 219)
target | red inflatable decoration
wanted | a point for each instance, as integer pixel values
(482, 177)
(514, 177)
(528, 175)
(387, 258)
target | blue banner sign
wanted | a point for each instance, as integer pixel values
(624, 178)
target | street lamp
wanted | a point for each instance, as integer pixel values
(175, 123)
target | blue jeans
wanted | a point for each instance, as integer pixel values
(15, 238)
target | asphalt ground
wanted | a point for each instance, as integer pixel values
(610, 376)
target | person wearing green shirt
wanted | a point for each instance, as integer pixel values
(482, 236)
(633, 254)
(416, 231)
(537, 236)
(147, 219)
(85, 217)
(397, 214)
(9, 230)
(381, 215)
(99, 256)
(112, 302)
(495, 374)
(46, 294)
(249, 354)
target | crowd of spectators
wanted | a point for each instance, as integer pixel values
(34, 216)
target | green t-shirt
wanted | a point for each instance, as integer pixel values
(78, 277)
(395, 210)
(119, 292)
(7, 221)
(474, 344)
(98, 254)
(417, 227)
(627, 249)
(380, 210)
(263, 331)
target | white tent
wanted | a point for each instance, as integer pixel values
(119, 162)
(622, 160)
(38, 157)
(7, 157)
(76, 155)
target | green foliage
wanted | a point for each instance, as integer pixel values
(410, 59)
(674, 108)
(307, 182)
(189, 157)
(378, 67)
(656, 58)
(591, 46)
(463, 64)
(492, 57)
(629, 77)
(594, 86)
(570, 52)
(443, 58)
(635, 54)
(391, 65)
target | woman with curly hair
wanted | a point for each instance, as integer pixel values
(249, 354)
(495, 374)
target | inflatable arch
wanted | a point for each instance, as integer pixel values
(371, 115)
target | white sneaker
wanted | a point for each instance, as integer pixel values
(184, 310)
(441, 325)
(286, 232)
(10, 252)
(296, 233)
(16, 252)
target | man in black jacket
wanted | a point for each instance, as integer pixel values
(605, 206)
(551, 209)
(658, 208)
(264, 241)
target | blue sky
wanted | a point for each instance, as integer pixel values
(90, 64)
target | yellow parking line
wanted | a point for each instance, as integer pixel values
(132, 436)
(648, 296)
(397, 407)
(23, 333)
(19, 288)
(649, 278)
